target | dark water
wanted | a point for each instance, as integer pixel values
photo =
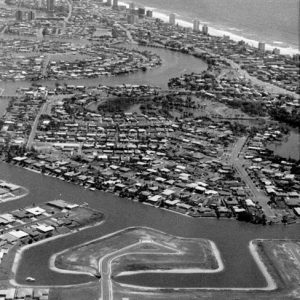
(289, 147)
(273, 21)
(231, 237)
(173, 64)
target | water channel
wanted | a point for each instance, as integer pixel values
(289, 147)
(173, 64)
(231, 237)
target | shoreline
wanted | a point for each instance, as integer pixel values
(144, 203)
(271, 284)
(213, 31)
(25, 192)
(20, 251)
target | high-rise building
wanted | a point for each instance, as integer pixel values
(149, 13)
(172, 19)
(50, 5)
(19, 15)
(261, 47)
(296, 58)
(205, 29)
(141, 12)
(196, 25)
(132, 19)
(276, 51)
(131, 6)
(31, 15)
(115, 3)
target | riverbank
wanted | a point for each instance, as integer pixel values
(118, 251)
(128, 213)
(20, 252)
(66, 219)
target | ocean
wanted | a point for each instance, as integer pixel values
(275, 22)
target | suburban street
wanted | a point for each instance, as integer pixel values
(258, 195)
(35, 124)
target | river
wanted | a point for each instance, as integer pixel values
(231, 237)
(173, 64)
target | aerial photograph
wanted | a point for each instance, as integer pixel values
(149, 150)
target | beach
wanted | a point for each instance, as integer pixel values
(285, 39)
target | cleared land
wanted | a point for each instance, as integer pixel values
(182, 253)
(280, 257)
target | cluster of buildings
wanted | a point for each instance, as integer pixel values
(271, 67)
(6, 14)
(272, 175)
(181, 184)
(42, 6)
(233, 91)
(28, 60)
(88, 17)
(30, 224)
(21, 67)
(24, 293)
(31, 17)
(175, 163)
(23, 59)
(172, 164)
(20, 117)
(25, 15)
(22, 28)
(35, 223)
(8, 190)
(102, 60)
(135, 14)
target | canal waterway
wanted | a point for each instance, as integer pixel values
(231, 237)
(173, 64)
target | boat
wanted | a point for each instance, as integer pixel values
(30, 279)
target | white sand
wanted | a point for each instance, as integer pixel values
(217, 32)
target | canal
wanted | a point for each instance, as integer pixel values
(231, 237)
(173, 64)
(289, 147)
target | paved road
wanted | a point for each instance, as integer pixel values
(271, 88)
(66, 20)
(128, 33)
(105, 270)
(258, 195)
(106, 261)
(34, 125)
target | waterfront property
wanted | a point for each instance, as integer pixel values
(32, 224)
(10, 191)
(167, 152)
(121, 214)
